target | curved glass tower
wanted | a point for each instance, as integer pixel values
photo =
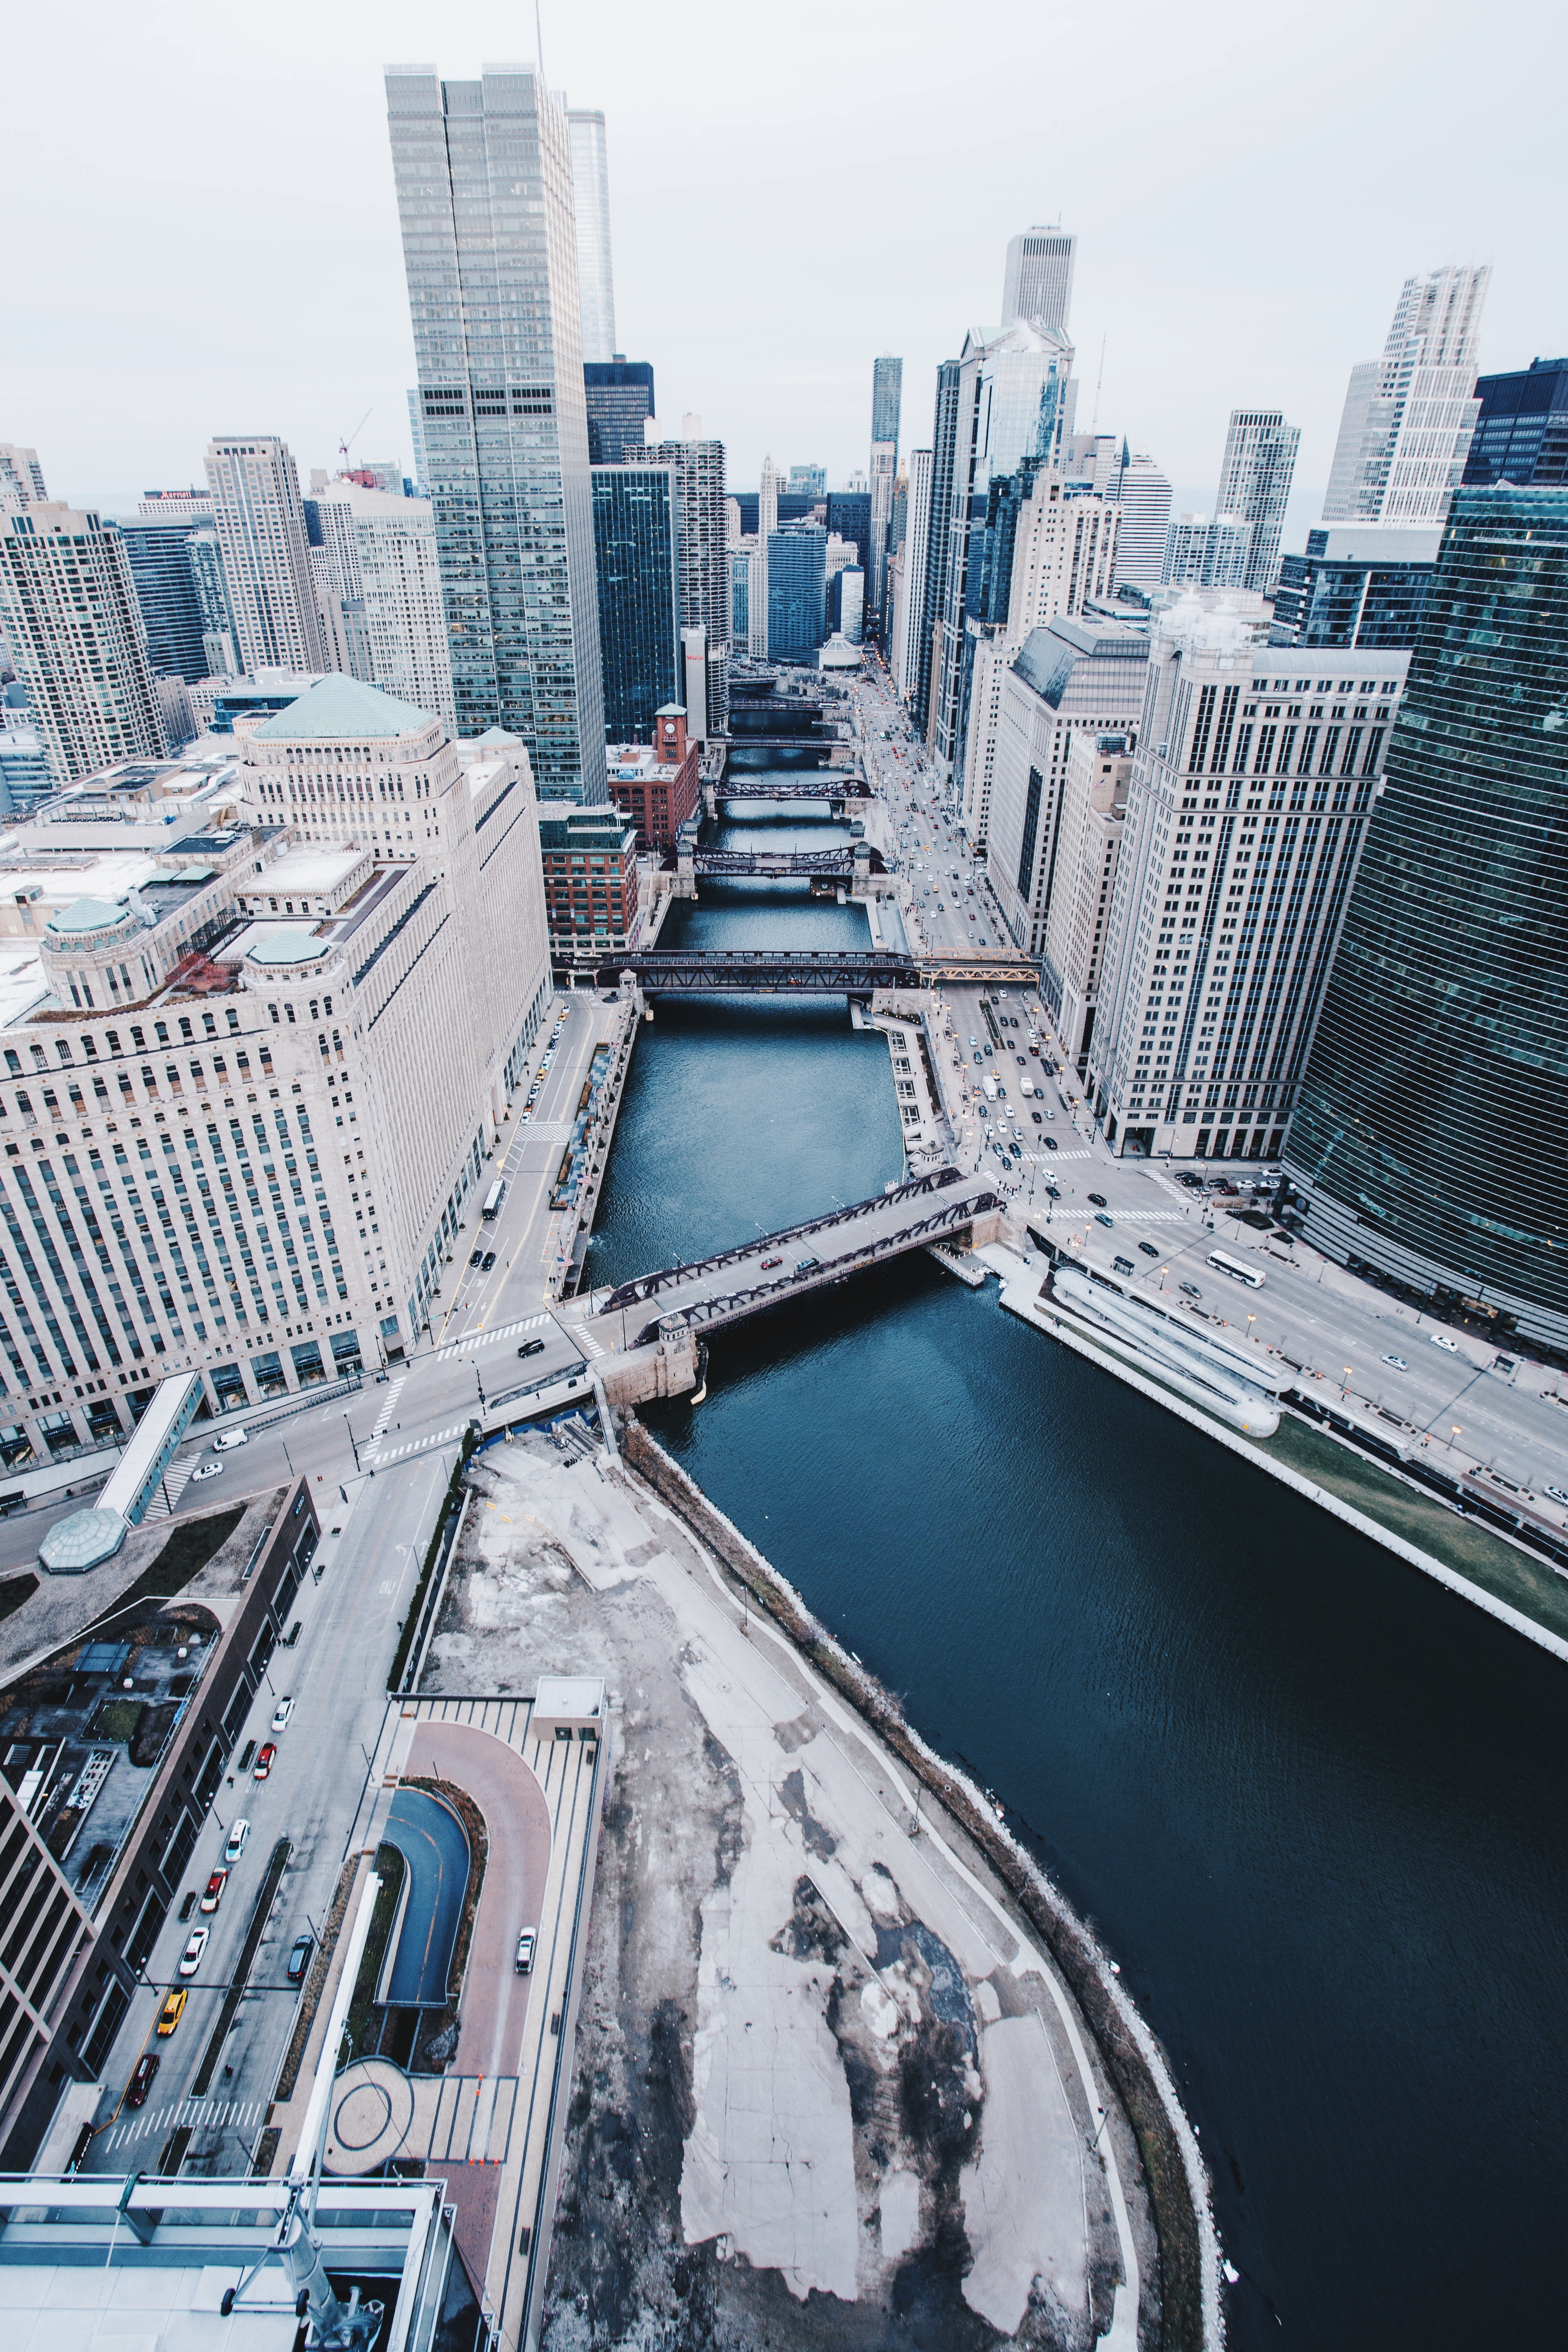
(1432, 1134)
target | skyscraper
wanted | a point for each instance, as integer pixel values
(808, 481)
(884, 464)
(591, 209)
(1204, 555)
(917, 554)
(1521, 433)
(796, 571)
(1432, 1136)
(417, 435)
(1143, 494)
(767, 525)
(260, 523)
(1037, 282)
(697, 470)
(619, 395)
(635, 559)
(69, 611)
(1252, 790)
(1255, 483)
(485, 194)
(385, 562)
(158, 553)
(887, 398)
(1408, 417)
(220, 645)
(1014, 403)
(925, 625)
(1359, 583)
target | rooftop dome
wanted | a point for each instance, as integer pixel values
(87, 915)
(342, 709)
(84, 1541)
(282, 949)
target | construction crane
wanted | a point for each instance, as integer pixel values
(345, 446)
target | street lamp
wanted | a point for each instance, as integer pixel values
(349, 1426)
(1455, 1432)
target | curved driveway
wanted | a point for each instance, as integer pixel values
(434, 1848)
(517, 1819)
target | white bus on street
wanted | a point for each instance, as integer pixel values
(1238, 1269)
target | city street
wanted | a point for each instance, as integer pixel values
(350, 1608)
(1321, 1316)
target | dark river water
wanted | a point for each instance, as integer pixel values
(1314, 1805)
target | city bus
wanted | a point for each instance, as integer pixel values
(1238, 1269)
(492, 1198)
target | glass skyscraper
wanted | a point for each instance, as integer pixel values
(1521, 433)
(798, 564)
(1357, 585)
(166, 592)
(1432, 1136)
(619, 394)
(887, 394)
(483, 172)
(635, 558)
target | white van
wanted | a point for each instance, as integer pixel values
(990, 1087)
(231, 1437)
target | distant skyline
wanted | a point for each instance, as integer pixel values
(224, 254)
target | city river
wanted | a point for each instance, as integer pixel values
(1315, 1806)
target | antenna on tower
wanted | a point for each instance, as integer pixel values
(1098, 381)
(345, 446)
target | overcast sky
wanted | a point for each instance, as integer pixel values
(202, 237)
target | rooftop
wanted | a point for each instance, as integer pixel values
(285, 947)
(339, 710)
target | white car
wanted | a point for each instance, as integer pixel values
(1555, 1493)
(1395, 1363)
(207, 1470)
(238, 1832)
(195, 1945)
(281, 1713)
(1441, 1340)
(231, 1437)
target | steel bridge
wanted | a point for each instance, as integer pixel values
(838, 864)
(746, 971)
(819, 784)
(740, 1282)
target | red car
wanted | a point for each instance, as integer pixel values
(215, 1885)
(264, 1762)
(141, 2082)
(769, 1264)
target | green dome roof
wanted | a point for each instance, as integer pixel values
(285, 948)
(87, 915)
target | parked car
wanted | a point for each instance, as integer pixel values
(476, 1257)
(213, 1891)
(195, 1945)
(206, 1470)
(237, 1833)
(281, 1713)
(524, 1962)
(265, 1761)
(298, 1958)
(173, 2009)
(532, 1347)
(488, 1260)
(1148, 1249)
(231, 1437)
(141, 2082)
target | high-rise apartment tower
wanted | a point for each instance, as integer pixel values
(259, 519)
(69, 611)
(1409, 417)
(1255, 483)
(485, 194)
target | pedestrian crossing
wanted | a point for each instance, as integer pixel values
(549, 1130)
(465, 1346)
(191, 2115)
(171, 1485)
(419, 1444)
(392, 1393)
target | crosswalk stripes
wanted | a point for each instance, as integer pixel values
(420, 1445)
(392, 1393)
(171, 1485)
(466, 1346)
(191, 2115)
(591, 1346)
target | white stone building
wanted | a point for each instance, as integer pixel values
(1072, 677)
(1408, 417)
(1250, 795)
(382, 558)
(905, 657)
(1063, 557)
(1078, 919)
(247, 1082)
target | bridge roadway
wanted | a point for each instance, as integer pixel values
(741, 1282)
(810, 784)
(836, 865)
(749, 971)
